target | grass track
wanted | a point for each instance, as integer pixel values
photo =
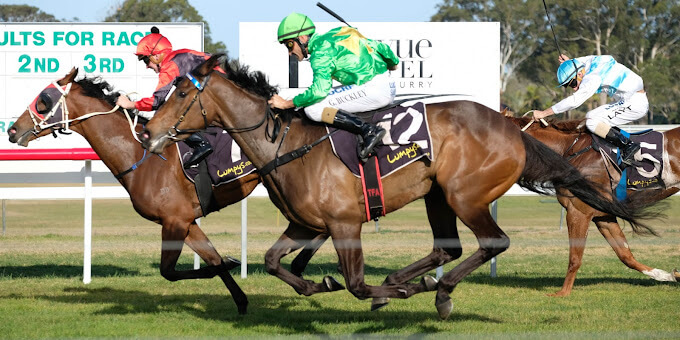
(42, 296)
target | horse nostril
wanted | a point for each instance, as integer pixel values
(146, 135)
(12, 131)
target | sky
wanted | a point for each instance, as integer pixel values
(223, 16)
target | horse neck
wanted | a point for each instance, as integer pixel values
(109, 134)
(248, 110)
(559, 141)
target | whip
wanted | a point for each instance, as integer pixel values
(329, 11)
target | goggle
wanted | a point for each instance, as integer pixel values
(290, 44)
(571, 83)
(145, 58)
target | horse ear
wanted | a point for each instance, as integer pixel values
(69, 77)
(208, 65)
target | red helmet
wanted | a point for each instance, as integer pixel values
(153, 43)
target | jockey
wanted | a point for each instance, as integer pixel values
(343, 54)
(594, 74)
(156, 52)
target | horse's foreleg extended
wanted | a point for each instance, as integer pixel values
(193, 236)
(611, 231)
(292, 239)
(577, 224)
(347, 242)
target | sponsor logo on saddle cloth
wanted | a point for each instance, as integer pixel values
(646, 171)
(227, 162)
(407, 140)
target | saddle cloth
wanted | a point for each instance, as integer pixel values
(225, 164)
(407, 140)
(645, 173)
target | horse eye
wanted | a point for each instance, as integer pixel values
(182, 94)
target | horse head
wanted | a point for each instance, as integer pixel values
(42, 115)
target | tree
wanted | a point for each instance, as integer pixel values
(24, 13)
(520, 23)
(164, 11)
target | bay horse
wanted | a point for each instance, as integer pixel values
(478, 154)
(158, 188)
(570, 139)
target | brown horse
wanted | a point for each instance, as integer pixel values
(570, 138)
(478, 156)
(158, 188)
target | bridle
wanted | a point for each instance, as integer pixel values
(41, 123)
(174, 131)
(269, 115)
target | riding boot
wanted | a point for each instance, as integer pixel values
(371, 134)
(201, 148)
(627, 147)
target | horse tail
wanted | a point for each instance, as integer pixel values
(547, 173)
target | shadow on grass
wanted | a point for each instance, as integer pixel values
(63, 271)
(286, 314)
(540, 283)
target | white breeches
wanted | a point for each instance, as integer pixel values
(619, 113)
(376, 93)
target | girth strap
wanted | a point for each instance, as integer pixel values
(290, 156)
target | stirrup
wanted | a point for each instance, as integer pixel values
(368, 148)
(630, 156)
(198, 156)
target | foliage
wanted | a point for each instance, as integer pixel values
(164, 11)
(644, 35)
(24, 13)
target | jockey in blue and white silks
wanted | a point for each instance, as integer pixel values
(596, 74)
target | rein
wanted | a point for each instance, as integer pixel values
(578, 153)
(39, 123)
(269, 115)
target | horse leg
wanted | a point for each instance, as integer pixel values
(298, 265)
(199, 243)
(347, 242)
(611, 231)
(288, 242)
(577, 225)
(446, 247)
(492, 241)
(174, 234)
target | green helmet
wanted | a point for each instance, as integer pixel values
(295, 25)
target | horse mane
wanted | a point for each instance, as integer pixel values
(255, 82)
(566, 126)
(96, 87)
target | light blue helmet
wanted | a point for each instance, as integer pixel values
(567, 71)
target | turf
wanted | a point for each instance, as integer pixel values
(42, 294)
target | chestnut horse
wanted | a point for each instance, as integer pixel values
(478, 156)
(157, 187)
(570, 139)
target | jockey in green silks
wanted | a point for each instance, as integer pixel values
(343, 54)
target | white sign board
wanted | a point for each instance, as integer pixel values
(34, 54)
(436, 57)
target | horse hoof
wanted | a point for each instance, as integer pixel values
(242, 309)
(379, 303)
(444, 308)
(429, 282)
(332, 284)
(230, 262)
